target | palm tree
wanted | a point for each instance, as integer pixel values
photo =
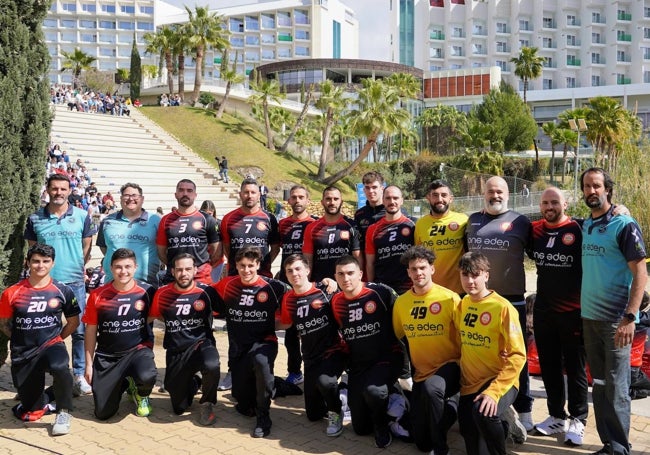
(550, 129)
(300, 119)
(180, 46)
(266, 91)
(76, 61)
(528, 66)
(378, 112)
(231, 77)
(162, 42)
(332, 102)
(444, 121)
(568, 138)
(204, 29)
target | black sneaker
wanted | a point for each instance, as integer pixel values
(262, 427)
(383, 438)
(606, 449)
(248, 412)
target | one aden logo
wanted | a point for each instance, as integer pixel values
(317, 304)
(199, 305)
(197, 225)
(435, 308)
(345, 235)
(453, 226)
(262, 296)
(261, 226)
(53, 303)
(486, 318)
(370, 307)
(568, 239)
(406, 231)
(139, 305)
(507, 226)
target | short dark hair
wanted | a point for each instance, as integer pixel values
(372, 176)
(208, 205)
(135, 186)
(607, 181)
(58, 177)
(417, 252)
(183, 256)
(438, 183)
(299, 187)
(347, 259)
(247, 181)
(474, 263)
(331, 188)
(123, 253)
(249, 252)
(295, 258)
(186, 181)
(42, 250)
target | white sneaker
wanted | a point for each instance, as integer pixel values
(526, 419)
(61, 423)
(552, 425)
(515, 428)
(80, 386)
(226, 382)
(334, 424)
(575, 434)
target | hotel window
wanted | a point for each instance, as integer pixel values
(252, 23)
(301, 17)
(68, 23)
(236, 25)
(126, 25)
(107, 24)
(302, 34)
(145, 26)
(595, 81)
(69, 7)
(284, 19)
(108, 8)
(252, 40)
(570, 82)
(127, 9)
(88, 8)
(268, 21)
(87, 24)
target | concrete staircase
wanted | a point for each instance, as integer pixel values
(123, 149)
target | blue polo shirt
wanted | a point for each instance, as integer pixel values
(139, 235)
(66, 235)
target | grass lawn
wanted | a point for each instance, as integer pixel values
(242, 144)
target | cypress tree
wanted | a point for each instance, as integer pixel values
(24, 128)
(135, 73)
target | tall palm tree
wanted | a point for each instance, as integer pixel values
(550, 129)
(76, 61)
(567, 138)
(162, 42)
(266, 91)
(378, 112)
(331, 102)
(528, 66)
(180, 45)
(204, 29)
(301, 117)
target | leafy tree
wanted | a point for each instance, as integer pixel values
(76, 61)
(135, 72)
(24, 128)
(307, 136)
(266, 91)
(100, 81)
(206, 99)
(231, 77)
(162, 42)
(528, 66)
(567, 138)
(306, 100)
(332, 102)
(202, 30)
(378, 112)
(443, 122)
(150, 71)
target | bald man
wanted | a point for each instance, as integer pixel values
(504, 236)
(557, 252)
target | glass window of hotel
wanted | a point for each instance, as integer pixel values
(237, 41)
(268, 38)
(127, 38)
(284, 52)
(302, 34)
(107, 52)
(49, 23)
(252, 56)
(145, 26)
(501, 64)
(284, 19)
(252, 23)
(89, 7)
(302, 51)
(51, 36)
(547, 84)
(502, 27)
(68, 37)
(146, 9)
(68, 23)
(107, 65)
(268, 54)
(570, 82)
(302, 17)
(128, 9)
(88, 38)
(108, 8)
(236, 24)
(126, 25)
(106, 38)
(268, 20)
(87, 24)
(252, 40)
(524, 43)
(69, 7)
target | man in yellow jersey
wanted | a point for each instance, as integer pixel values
(492, 354)
(443, 232)
(423, 318)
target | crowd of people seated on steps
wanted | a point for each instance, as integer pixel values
(90, 101)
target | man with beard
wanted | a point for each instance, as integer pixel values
(503, 236)
(330, 238)
(250, 225)
(443, 232)
(188, 230)
(386, 241)
(185, 307)
(557, 250)
(613, 280)
(292, 231)
(69, 230)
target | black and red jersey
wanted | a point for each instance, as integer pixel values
(557, 251)
(292, 234)
(35, 315)
(187, 315)
(190, 233)
(366, 324)
(120, 317)
(259, 229)
(327, 242)
(311, 313)
(388, 240)
(250, 310)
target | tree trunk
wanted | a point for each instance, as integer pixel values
(181, 76)
(170, 71)
(222, 106)
(301, 118)
(267, 125)
(198, 75)
(327, 132)
(565, 153)
(552, 162)
(536, 157)
(362, 156)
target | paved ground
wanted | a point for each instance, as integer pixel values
(165, 433)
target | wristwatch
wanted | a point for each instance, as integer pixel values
(630, 317)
